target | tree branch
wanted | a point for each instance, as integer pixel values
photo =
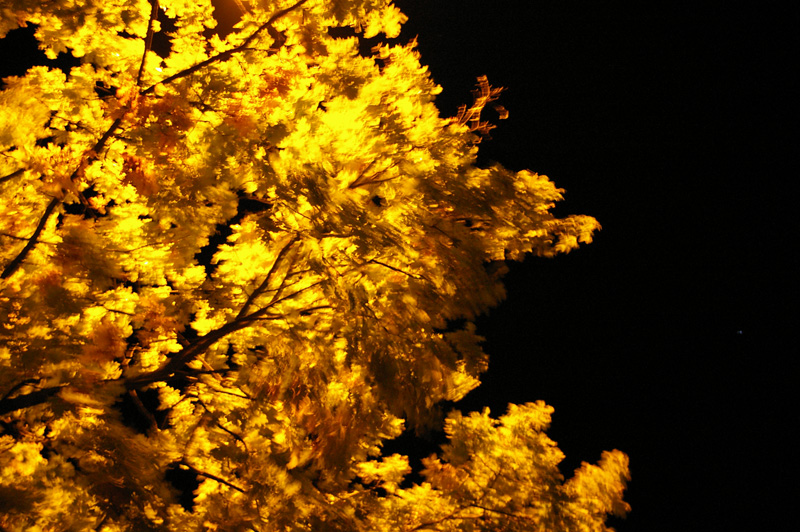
(143, 409)
(502, 512)
(263, 312)
(201, 345)
(398, 270)
(12, 175)
(265, 284)
(212, 477)
(452, 515)
(14, 265)
(18, 386)
(223, 56)
(30, 399)
(92, 155)
(187, 354)
(219, 425)
(148, 40)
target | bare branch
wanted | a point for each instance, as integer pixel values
(241, 7)
(360, 179)
(226, 392)
(432, 525)
(304, 312)
(503, 512)
(15, 237)
(234, 435)
(201, 345)
(118, 311)
(262, 312)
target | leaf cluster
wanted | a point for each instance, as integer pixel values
(241, 260)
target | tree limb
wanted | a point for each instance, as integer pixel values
(265, 284)
(398, 270)
(361, 180)
(201, 345)
(30, 399)
(223, 56)
(12, 175)
(92, 155)
(14, 265)
(148, 40)
(18, 386)
(212, 477)
(502, 512)
(180, 359)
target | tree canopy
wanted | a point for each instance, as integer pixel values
(245, 260)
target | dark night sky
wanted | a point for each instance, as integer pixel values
(669, 336)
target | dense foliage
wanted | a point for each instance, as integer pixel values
(233, 263)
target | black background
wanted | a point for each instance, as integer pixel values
(672, 336)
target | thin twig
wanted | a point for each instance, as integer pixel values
(398, 270)
(15, 237)
(502, 512)
(262, 312)
(212, 477)
(372, 180)
(200, 345)
(118, 311)
(235, 436)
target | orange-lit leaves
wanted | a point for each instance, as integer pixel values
(105, 344)
(138, 173)
(483, 95)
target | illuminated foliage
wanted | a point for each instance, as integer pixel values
(237, 259)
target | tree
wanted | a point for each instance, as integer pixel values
(236, 264)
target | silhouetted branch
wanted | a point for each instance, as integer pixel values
(18, 386)
(143, 409)
(14, 265)
(12, 175)
(212, 477)
(27, 400)
(398, 270)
